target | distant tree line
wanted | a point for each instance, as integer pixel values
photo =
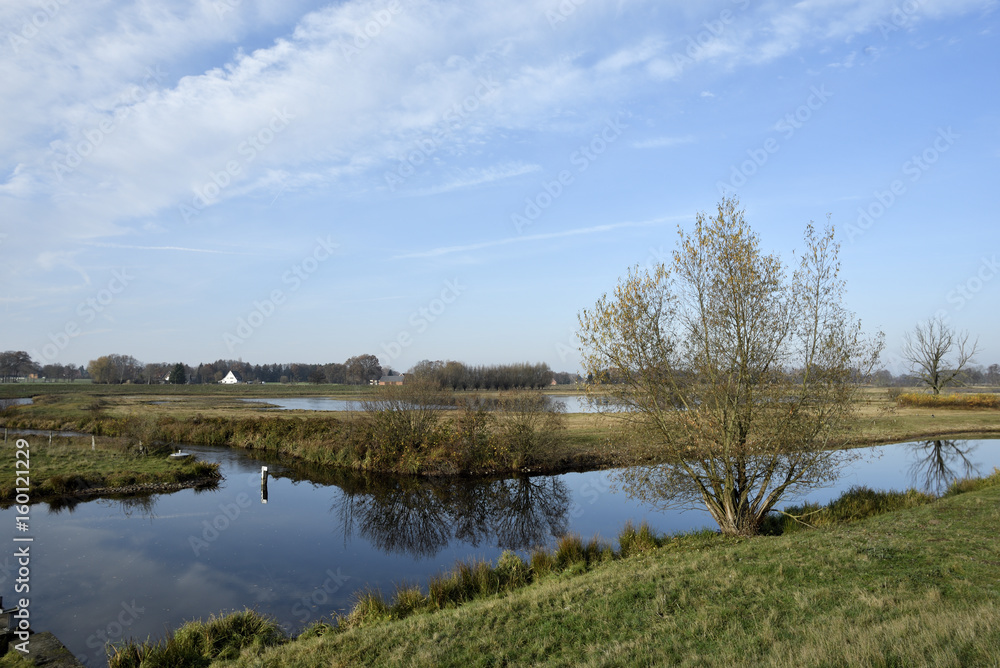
(17, 365)
(357, 370)
(972, 375)
(460, 376)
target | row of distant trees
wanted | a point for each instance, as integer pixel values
(357, 370)
(973, 375)
(460, 376)
(360, 370)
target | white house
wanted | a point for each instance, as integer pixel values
(230, 379)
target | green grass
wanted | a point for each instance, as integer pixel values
(68, 466)
(198, 643)
(894, 579)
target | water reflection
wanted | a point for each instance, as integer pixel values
(420, 518)
(940, 463)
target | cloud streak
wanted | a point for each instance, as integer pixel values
(583, 231)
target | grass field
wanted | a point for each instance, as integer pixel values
(68, 466)
(916, 586)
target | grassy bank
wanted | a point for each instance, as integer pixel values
(450, 443)
(499, 432)
(69, 467)
(888, 580)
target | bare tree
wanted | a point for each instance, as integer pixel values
(734, 378)
(929, 349)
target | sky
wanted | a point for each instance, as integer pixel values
(296, 181)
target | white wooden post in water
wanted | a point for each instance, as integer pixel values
(263, 484)
(50, 438)
(93, 443)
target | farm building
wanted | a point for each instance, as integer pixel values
(230, 379)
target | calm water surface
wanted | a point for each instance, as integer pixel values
(108, 569)
(573, 403)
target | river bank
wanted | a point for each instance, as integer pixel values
(67, 469)
(913, 586)
(524, 436)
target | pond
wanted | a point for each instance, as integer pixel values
(110, 569)
(7, 403)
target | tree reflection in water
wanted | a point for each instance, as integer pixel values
(940, 463)
(420, 517)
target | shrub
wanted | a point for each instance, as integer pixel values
(857, 503)
(632, 540)
(198, 643)
(569, 550)
(512, 571)
(975, 484)
(369, 608)
(407, 599)
(542, 562)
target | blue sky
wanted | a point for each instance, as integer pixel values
(302, 181)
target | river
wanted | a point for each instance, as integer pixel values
(105, 569)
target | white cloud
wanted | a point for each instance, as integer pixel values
(109, 121)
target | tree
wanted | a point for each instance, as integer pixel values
(178, 375)
(101, 370)
(362, 369)
(114, 369)
(928, 349)
(15, 364)
(735, 377)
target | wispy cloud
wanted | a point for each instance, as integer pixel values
(664, 142)
(476, 177)
(181, 249)
(596, 229)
